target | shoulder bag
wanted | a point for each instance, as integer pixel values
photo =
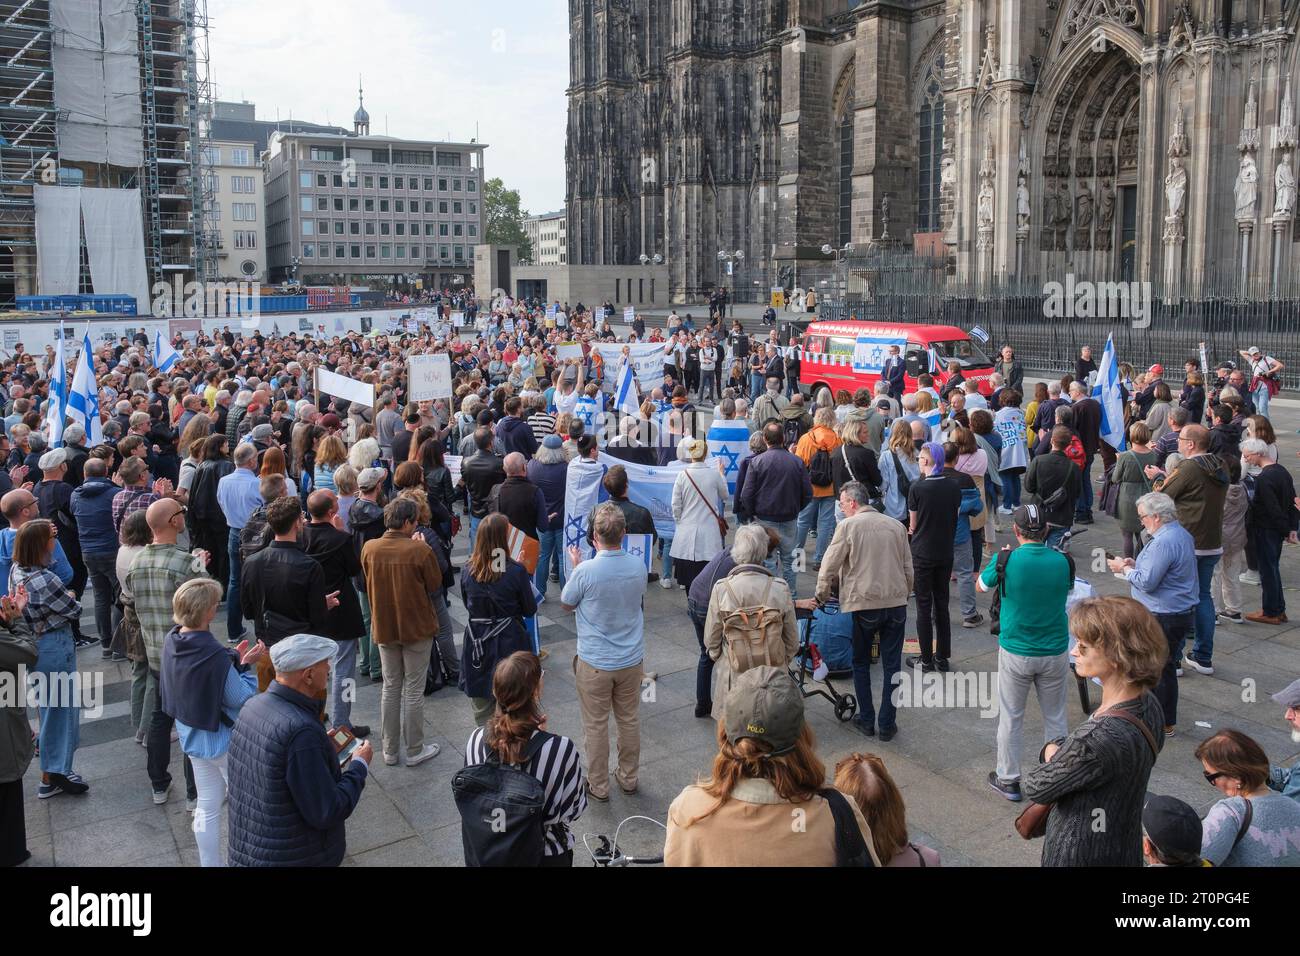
(722, 522)
(1032, 824)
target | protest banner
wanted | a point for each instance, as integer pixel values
(647, 362)
(340, 386)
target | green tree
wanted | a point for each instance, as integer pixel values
(505, 220)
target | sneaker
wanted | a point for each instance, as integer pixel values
(1230, 617)
(704, 710)
(974, 621)
(47, 790)
(1008, 788)
(1197, 666)
(599, 797)
(391, 760)
(160, 796)
(118, 658)
(667, 583)
(1248, 577)
(191, 804)
(555, 578)
(71, 783)
(1169, 731)
(1083, 519)
(1003, 510)
(428, 753)
(915, 659)
(941, 663)
(239, 637)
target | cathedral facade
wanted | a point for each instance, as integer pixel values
(1016, 140)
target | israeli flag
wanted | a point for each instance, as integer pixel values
(583, 490)
(640, 546)
(592, 415)
(57, 407)
(935, 364)
(83, 400)
(979, 335)
(625, 394)
(164, 356)
(932, 418)
(729, 442)
(1108, 395)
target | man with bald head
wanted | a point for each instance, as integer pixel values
(155, 574)
(19, 507)
(521, 501)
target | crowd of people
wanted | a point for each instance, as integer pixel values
(324, 531)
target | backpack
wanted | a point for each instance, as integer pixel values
(819, 469)
(790, 428)
(850, 847)
(254, 535)
(753, 634)
(502, 810)
(1074, 451)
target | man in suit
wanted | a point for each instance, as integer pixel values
(894, 373)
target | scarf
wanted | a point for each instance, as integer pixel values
(193, 678)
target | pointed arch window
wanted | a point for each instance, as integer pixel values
(845, 133)
(930, 152)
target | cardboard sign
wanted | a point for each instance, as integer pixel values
(340, 386)
(429, 377)
(568, 350)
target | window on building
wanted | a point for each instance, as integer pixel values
(384, 228)
(455, 185)
(329, 154)
(398, 182)
(250, 240)
(383, 182)
(214, 213)
(428, 184)
(322, 204)
(442, 185)
(413, 183)
(239, 239)
(322, 180)
(212, 155)
(338, 180)
(444, 252)
(308, 251)
(473, 186)
(399, 229)
(930, 153)
(442, 229)
(304, 180)
(241, 156)
(354, 228)
(457, 208)
(370, 252)
(442, 207)
(399, 205)
(415, 228)
(428, 229)
(338, 228)
(383, 205)
(473, 230)
(356, 252)
(428, 207)
(473, 209)
(338, 203)
(446, 158)
(370, 228)
(457, 230)
(369, 181)
(354, 205)
(401, 252)
(306, 204)
(309, 227)
(322, 227)
(340, 252)
(460, 253)
(370, 205)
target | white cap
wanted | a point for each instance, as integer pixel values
(301, 651)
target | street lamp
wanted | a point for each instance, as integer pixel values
(737, 258)
(840, 256)
(657, 259)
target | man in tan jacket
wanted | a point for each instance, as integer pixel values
(870, 566)
(401, 574)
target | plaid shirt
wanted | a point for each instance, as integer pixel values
(153, 578)
(49, 605)
(128, 500)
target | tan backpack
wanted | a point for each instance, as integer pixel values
(753, 635)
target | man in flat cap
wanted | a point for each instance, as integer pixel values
(1286, 780)
(289, 798)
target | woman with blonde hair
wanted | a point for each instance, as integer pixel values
(898, 469)
(699, 500)
(516, 735)
(864, 778)
(330, 453)
(1101, 769)
(765, 774)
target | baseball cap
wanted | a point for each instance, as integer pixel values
(261, 432)
(1253, 350)
(1029, 518)
(1172, 826)
(764, 704)
(1289, 696)
(370, 477)
(552, 441)
(1157, 369)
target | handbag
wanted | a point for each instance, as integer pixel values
(1032, 823)
(723, 527)
(875, 501)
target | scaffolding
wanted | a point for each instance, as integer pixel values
(28, 136)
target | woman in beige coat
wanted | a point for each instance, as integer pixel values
(775, 635)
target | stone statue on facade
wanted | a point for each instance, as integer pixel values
(1284, 183)
(1175, 188)
(1083, 207)
(1247, 188)
(1022, 203)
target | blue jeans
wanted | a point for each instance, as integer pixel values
(1054, 537)
(1083, 508)
(784, 554)
(343, 682)
(666, 548)
(820, 513)
(1261, 397)
(60, 719)
(756, 386)
(234, 620)
(552, 548)
(1203, 647)
(473, 531)
(704, 669)
(1010, 489)
(889, 623)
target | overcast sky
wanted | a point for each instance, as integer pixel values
(431, 69)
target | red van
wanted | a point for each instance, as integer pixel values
(850, 355)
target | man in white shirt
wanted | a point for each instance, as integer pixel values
(710, 387)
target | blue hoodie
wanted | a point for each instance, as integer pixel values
(92, 506)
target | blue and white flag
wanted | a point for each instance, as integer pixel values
(591, 413)
(729, 441)
(583, 490)
(935, 364)
(640, 546)
(932, 418)
(83, 400)
(164, 356)
(57, 407)
(979, 335)
(1108, 394)
(625, 394)
(651, 488)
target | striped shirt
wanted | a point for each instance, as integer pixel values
(49, 604)
(542, 425)
(559, 768)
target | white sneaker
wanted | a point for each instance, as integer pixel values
(1004, 510)
(1197, 666)
(667, 583)
(1248, 577)
(391, 761)
(428, 753)
(1178, 672)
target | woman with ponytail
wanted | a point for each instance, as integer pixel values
(516, 733)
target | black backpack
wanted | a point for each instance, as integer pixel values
(999, 589)
(850, 847)
(255, 534)
(819, 469)
(790, 428)
(502, 810)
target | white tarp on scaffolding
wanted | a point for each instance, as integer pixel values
(58, 239)
(115, 243)
(97, 81)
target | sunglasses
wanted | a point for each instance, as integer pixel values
(1211, 777)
